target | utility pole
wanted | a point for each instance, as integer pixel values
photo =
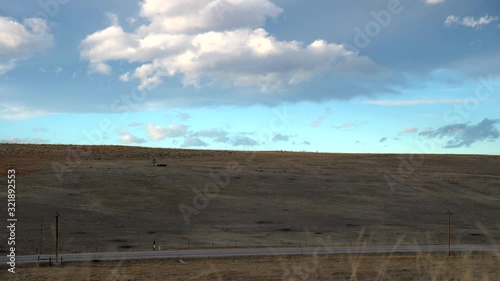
(57, 236)
(41, 236)
(449, 231)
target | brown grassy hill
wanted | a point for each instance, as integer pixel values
(112, 198)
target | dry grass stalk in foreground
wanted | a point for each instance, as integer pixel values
(422, 266)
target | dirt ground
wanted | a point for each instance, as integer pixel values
(112, 198)
(470, 267)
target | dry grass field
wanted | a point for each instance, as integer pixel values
(475, 267)
(112, 198)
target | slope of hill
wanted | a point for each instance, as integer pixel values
(112, 198)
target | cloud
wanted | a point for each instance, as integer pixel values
(477, 43)
(25, 140)
(213, 133)
(463, 134)
(194, 142)
(19, 112)
(100, 68)
(112, 18)
(476, 23)
(433, 2)
(128, 138)
(419, 102)
(158, 133)
(382, 140)
(218, 135)
(280, 137)
(323, 117)
(302, 143)
(243, 141)
(349, 125)
(222, 139)
(7, 66)
(183, 116)
(20, 40)
(207, 42)
(180, 16)
(410, 130)
(125, 77)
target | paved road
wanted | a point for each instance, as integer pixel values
(218, 253)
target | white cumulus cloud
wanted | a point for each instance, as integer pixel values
(206, 42)
(9, 111)
(128, 138)
(476, 23)
(20, 40)
(186, 16)
(158, 133)
(433, 2)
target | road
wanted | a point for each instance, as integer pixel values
(243, 252)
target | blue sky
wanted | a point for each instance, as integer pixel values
(378, 76)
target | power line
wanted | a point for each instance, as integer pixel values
(57, 236)
(449, 231)
(41, 236)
